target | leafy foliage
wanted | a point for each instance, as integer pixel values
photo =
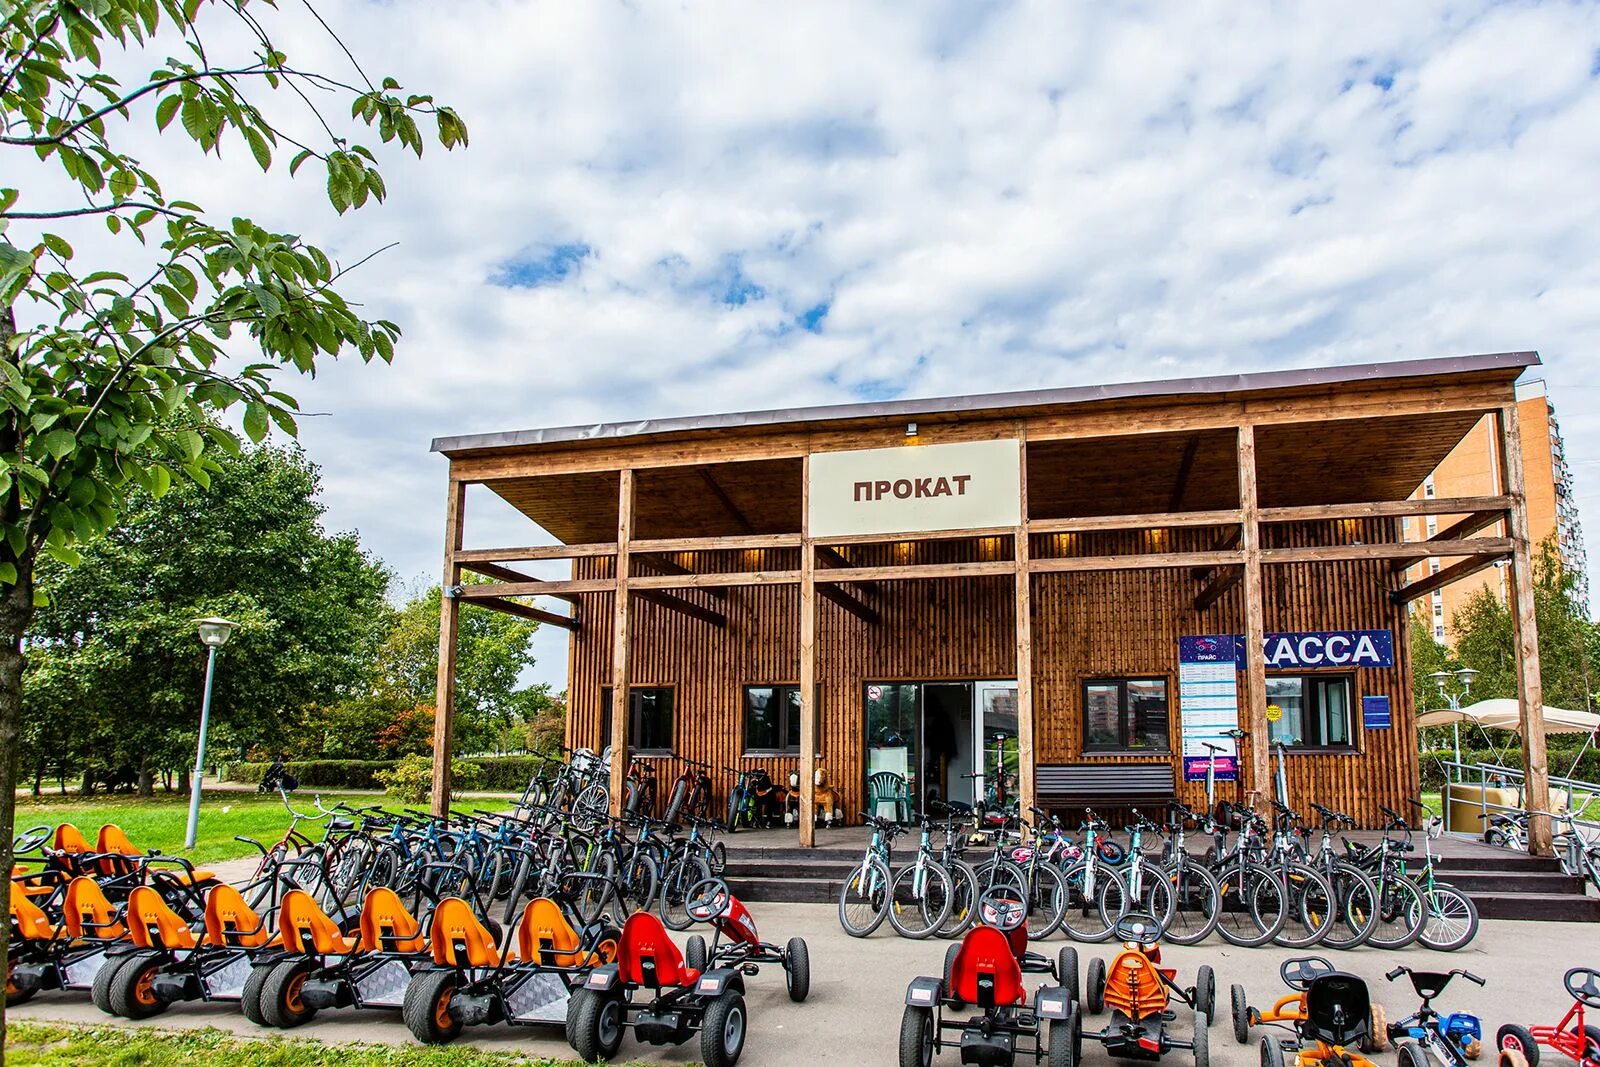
(411, 779)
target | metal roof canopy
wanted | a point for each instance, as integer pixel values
(1260, 381)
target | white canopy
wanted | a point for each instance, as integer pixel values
(1502, 714)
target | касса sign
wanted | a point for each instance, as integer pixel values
(964, 486)
(1320, 648)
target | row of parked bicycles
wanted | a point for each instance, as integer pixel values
(1576, 847)
(1287, 882)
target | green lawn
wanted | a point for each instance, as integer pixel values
(159, 821)
(52, 1045)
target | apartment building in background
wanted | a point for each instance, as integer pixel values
(1473, 469)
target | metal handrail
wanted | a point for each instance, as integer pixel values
(1502, 776)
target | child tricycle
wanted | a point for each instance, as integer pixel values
(1449, 1040)
(985, 971)
(1335, 1015)
(1290, 1011)
(1573, 1036)
(1138, 991)
(710, 901)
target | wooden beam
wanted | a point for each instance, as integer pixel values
(504, 574)
(1525, 635)
(923, 535)
(1228, 541)
(915, 570)
(621, 693)
(1185, 466)
(667, 566)
(1254, 713)
(563, 590)
(834, 558)
(1472, 546)
(1387, 509)
(528, 552)
(676, 603)
(1155, 520)
(1445, 576)
(1464, 527)
(444, 699)
(849, 603)
(523, 611)
(1134, 562)
(726, 501)
(1023, 578)
(808, 667)
(717, 544)
(712, 580)
(1218, 588)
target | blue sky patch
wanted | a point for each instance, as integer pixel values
(539, 267)
(811, 318)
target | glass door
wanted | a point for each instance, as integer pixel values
(894, 713)
(994, 718)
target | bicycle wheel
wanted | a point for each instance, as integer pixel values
(1311, 907)
(1401, 912)
(675, 804)
(1452, 920)
(919, 899)
(638, 881)
(1255, 906)
(963, 900)
(1196, 903)
(1355, 898)
(864, 898)
(1047, 901)
(1090, 893)
(684, 873)
(593, 805)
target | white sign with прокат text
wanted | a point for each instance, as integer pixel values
(965, 486)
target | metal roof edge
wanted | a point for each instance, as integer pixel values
(1221, 383)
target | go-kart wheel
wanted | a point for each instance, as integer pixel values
(1377, 1038)
(1591, 1047)
(426, 1008)
(1205, 993)
(722, 1030)
(1411, 1055)
(1517, 1039)
(1271, 1052)
(797, 969)
(132, 991)
(1202, 1040)
(250, 996)
(916, 1037)
(1067, 972)
(1472, 1049)
(594, 1024)
(694, 953)
(15, 993)
(1095, 992)
(950, 955)
(1065, 1035)
(100, 989)
(281, 1003)
(1241, 1015)
(1510, 1057)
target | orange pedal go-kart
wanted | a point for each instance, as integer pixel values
(66, 955)
(985, 971)
(1336, 1026)
(1573, 1036)
(1139, 992)
(1290, 1011)
(736, 943)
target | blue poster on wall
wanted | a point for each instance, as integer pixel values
(1375, 713)
(1297, 651)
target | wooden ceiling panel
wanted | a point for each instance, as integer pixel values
(1132, 475)
(1351, 461)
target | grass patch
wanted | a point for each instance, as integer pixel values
(159, 821)
(30, 1044)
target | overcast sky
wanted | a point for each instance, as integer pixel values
(671, 209)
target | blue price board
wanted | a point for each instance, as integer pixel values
(1375, 713)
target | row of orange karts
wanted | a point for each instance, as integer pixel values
(142, 932)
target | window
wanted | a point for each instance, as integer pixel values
(1125, 715)
(1316, 710)
(649, 720)
(772, 719)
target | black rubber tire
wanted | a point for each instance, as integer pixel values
(1271, 1052)
(1410, 1054)
(797, 969)
(250, 996)
(130, 995)
(1067, 972)
(695, 953)
(281, 1003)
(1205, 993)
(723, 1030)
(18, 995)
(419, 1009)
(594, 1012)
(1202, 1040)
(949, 970)
(1241, 1015)
(1095, 990)
(1523, 1042)
(1593, 1035)
(916, 1037)
(100, 990)
(1062, 1049)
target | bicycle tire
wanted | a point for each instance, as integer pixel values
(685, 872)
(1116, 897)
(1452, 921)
(1254, 906)
(1400, 912)
(864, 898)
(1196, 904)
(1047, 901)
(675, 802)
(1356, 906)
(913, 914)
(1082, 918)
(1311, 907)
(640, 881)
(963, 900)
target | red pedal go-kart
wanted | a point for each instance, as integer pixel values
(682, 1000)
(1138, 990)
(1573, 1036)
(736, 943)
(985, 971)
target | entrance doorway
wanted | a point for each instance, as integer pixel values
(937, 742)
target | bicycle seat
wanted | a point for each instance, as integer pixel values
(1301, 971)
(1584, 985)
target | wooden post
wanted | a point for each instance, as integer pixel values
(1024, 602)
(1525, 635)
(1254, 718)
(808, 664)
(444, 701)
(621, 697)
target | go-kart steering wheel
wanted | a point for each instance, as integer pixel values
(1300, 972)
(1003, 908)
(30, 839)
(1139, 928)
(1584, 985)
(708, 899)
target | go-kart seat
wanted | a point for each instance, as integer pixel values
(548, 939)
(985, 971)
(87, 914)
(152, 924)
(647, 957)
(69, 839)
(458, 939)
(29, 921)
(1338, 1009)
(304, 927)
(386, 925)
(231, 923)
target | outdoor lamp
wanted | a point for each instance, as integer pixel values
(214, 633)
(1466, 675)
(1440, 679)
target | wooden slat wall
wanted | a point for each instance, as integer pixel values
(1086, 625)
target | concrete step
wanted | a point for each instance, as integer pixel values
(787, 890)
(1545, 907)
(1505, 861)
(784, 868)
(1474, 882)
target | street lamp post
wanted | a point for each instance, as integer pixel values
(1442, 679)
(214, 633)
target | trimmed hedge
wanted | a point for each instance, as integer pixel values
(1558, 759)
(501, 774)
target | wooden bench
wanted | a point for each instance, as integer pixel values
(1073, 787)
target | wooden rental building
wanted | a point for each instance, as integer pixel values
(1110, 576)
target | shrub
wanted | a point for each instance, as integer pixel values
(410, 780)
(321, 774)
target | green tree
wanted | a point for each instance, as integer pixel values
(111, 372)
(116, 667)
